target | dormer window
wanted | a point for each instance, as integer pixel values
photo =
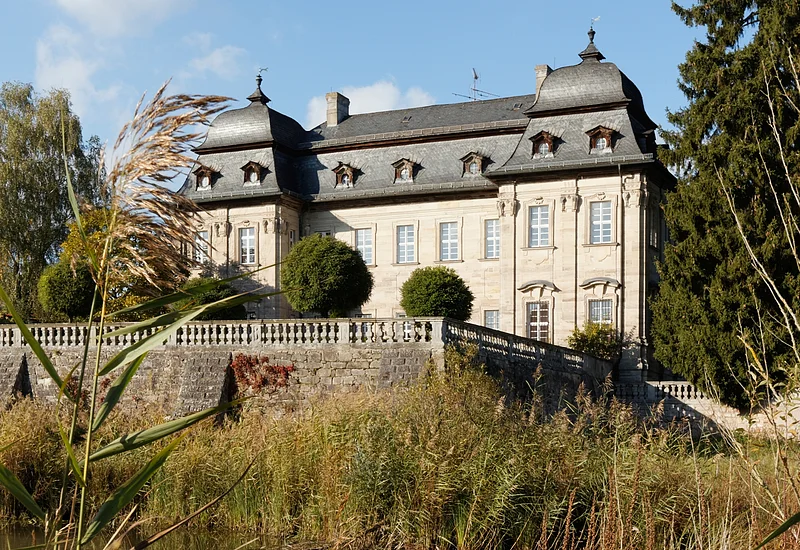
(543, 145)
(404, 171)
(474, 163)
(345, 175)
(600, 140)
(253, 173)
(203, 178)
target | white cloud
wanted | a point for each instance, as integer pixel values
(64, 61)
(381, 96)
(117, 17)
(199, 40)
(222, 62)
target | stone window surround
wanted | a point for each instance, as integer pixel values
(240, 234)
(459, 221)
(533, 203)
(484, 240)
(202, 245)
(415, 225)
(485, 311)
(373, 229)
(543, 299)
(601, 288)
(597, 198)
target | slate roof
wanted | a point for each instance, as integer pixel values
(255, 124)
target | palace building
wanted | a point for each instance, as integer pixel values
(548, 205)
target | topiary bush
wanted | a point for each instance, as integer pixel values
(64, 293)
(436, 292)
(325, 275)
(599, 340)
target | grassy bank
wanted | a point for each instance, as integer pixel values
(447, 464)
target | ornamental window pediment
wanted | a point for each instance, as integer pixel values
(345, 175)
(254, 173)
(601, 140)
(204, 178)
(473, 164)
(405, 170)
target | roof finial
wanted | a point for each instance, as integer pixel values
(258, 96)
(591, 51)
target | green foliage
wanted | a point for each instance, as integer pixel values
(710, 296)
(436, 292)
(63, 293)
(218, 292)
(597, 339)
(325, 275)
(34, 205)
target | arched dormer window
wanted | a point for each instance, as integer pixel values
(544, 145)
(204, 178)
(345, 175)
(253, 173)
(404, 171)
(473, 164)
(601, 140)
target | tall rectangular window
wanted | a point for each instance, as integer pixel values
(364, 244)
(539, 321)
(406, 252)
(601, 311)
(539, 226)
(491, 319)
(654, 227)
(448, 241)
(601, 222)
(247, 245)
(201, 247)
(491, 232)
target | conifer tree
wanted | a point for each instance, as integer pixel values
(710, 296)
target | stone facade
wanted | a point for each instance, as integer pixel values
(548, 205)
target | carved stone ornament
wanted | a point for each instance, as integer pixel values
(635, 197)
(570, 202)
(601, 196)
(538, 200)
(506, 207)
(267, 223)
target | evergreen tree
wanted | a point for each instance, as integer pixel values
(436, 292)
(710, 296)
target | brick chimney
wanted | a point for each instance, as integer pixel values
(541, 73)
(338, 108)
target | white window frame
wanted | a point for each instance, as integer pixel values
(495, 325)
(547, 324)
(449, 241)
(367, 249)
(597, 220)
(491, 243)
(605, 309)
(536, 230)
(202, 246)
(247, 235)
(408, 244)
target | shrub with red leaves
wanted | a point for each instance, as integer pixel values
(256, 374)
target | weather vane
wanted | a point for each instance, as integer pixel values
(594, 20)
(258, 76)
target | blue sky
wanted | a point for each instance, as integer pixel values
(382, 55)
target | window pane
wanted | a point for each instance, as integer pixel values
(600, 311)
(539, 321)
(405, 244)
(201, 246)
(247, 245)
(539, 231)
(448, 241)
(491, 319)
(492, 235)
(364, 244)
(601, 222)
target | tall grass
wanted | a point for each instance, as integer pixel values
(450, 464)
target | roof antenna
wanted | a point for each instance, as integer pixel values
(475, 93)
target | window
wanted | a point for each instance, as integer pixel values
(600, 139)
(364, 244)
(407, 326)
(403, 171)
(539, 321)
(601, 222)
(252, 173)
(601, 143)
(544, 148)
(203, 177)
(345, 175)
(405, 244)
(324, 232)
(539, 226)
(473, 164)
(491, 319)
(448, 241)
(600, 311)
(292, 238)
(201, 247)
(491, 232)
(247, 245)
(543, 144)
(655, 227)
(473, 167)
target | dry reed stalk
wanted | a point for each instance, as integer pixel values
(634, 489)
(609, 525)
(541, 544)
(593, 520)
(649, 525)
(567, 521)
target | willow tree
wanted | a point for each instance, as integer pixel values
(34, 205)
(711, 300)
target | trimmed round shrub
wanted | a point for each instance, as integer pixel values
(219, 292)
(64, 293)
(325, 275)
(436, 292)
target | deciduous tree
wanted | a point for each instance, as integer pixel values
(436, 292)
